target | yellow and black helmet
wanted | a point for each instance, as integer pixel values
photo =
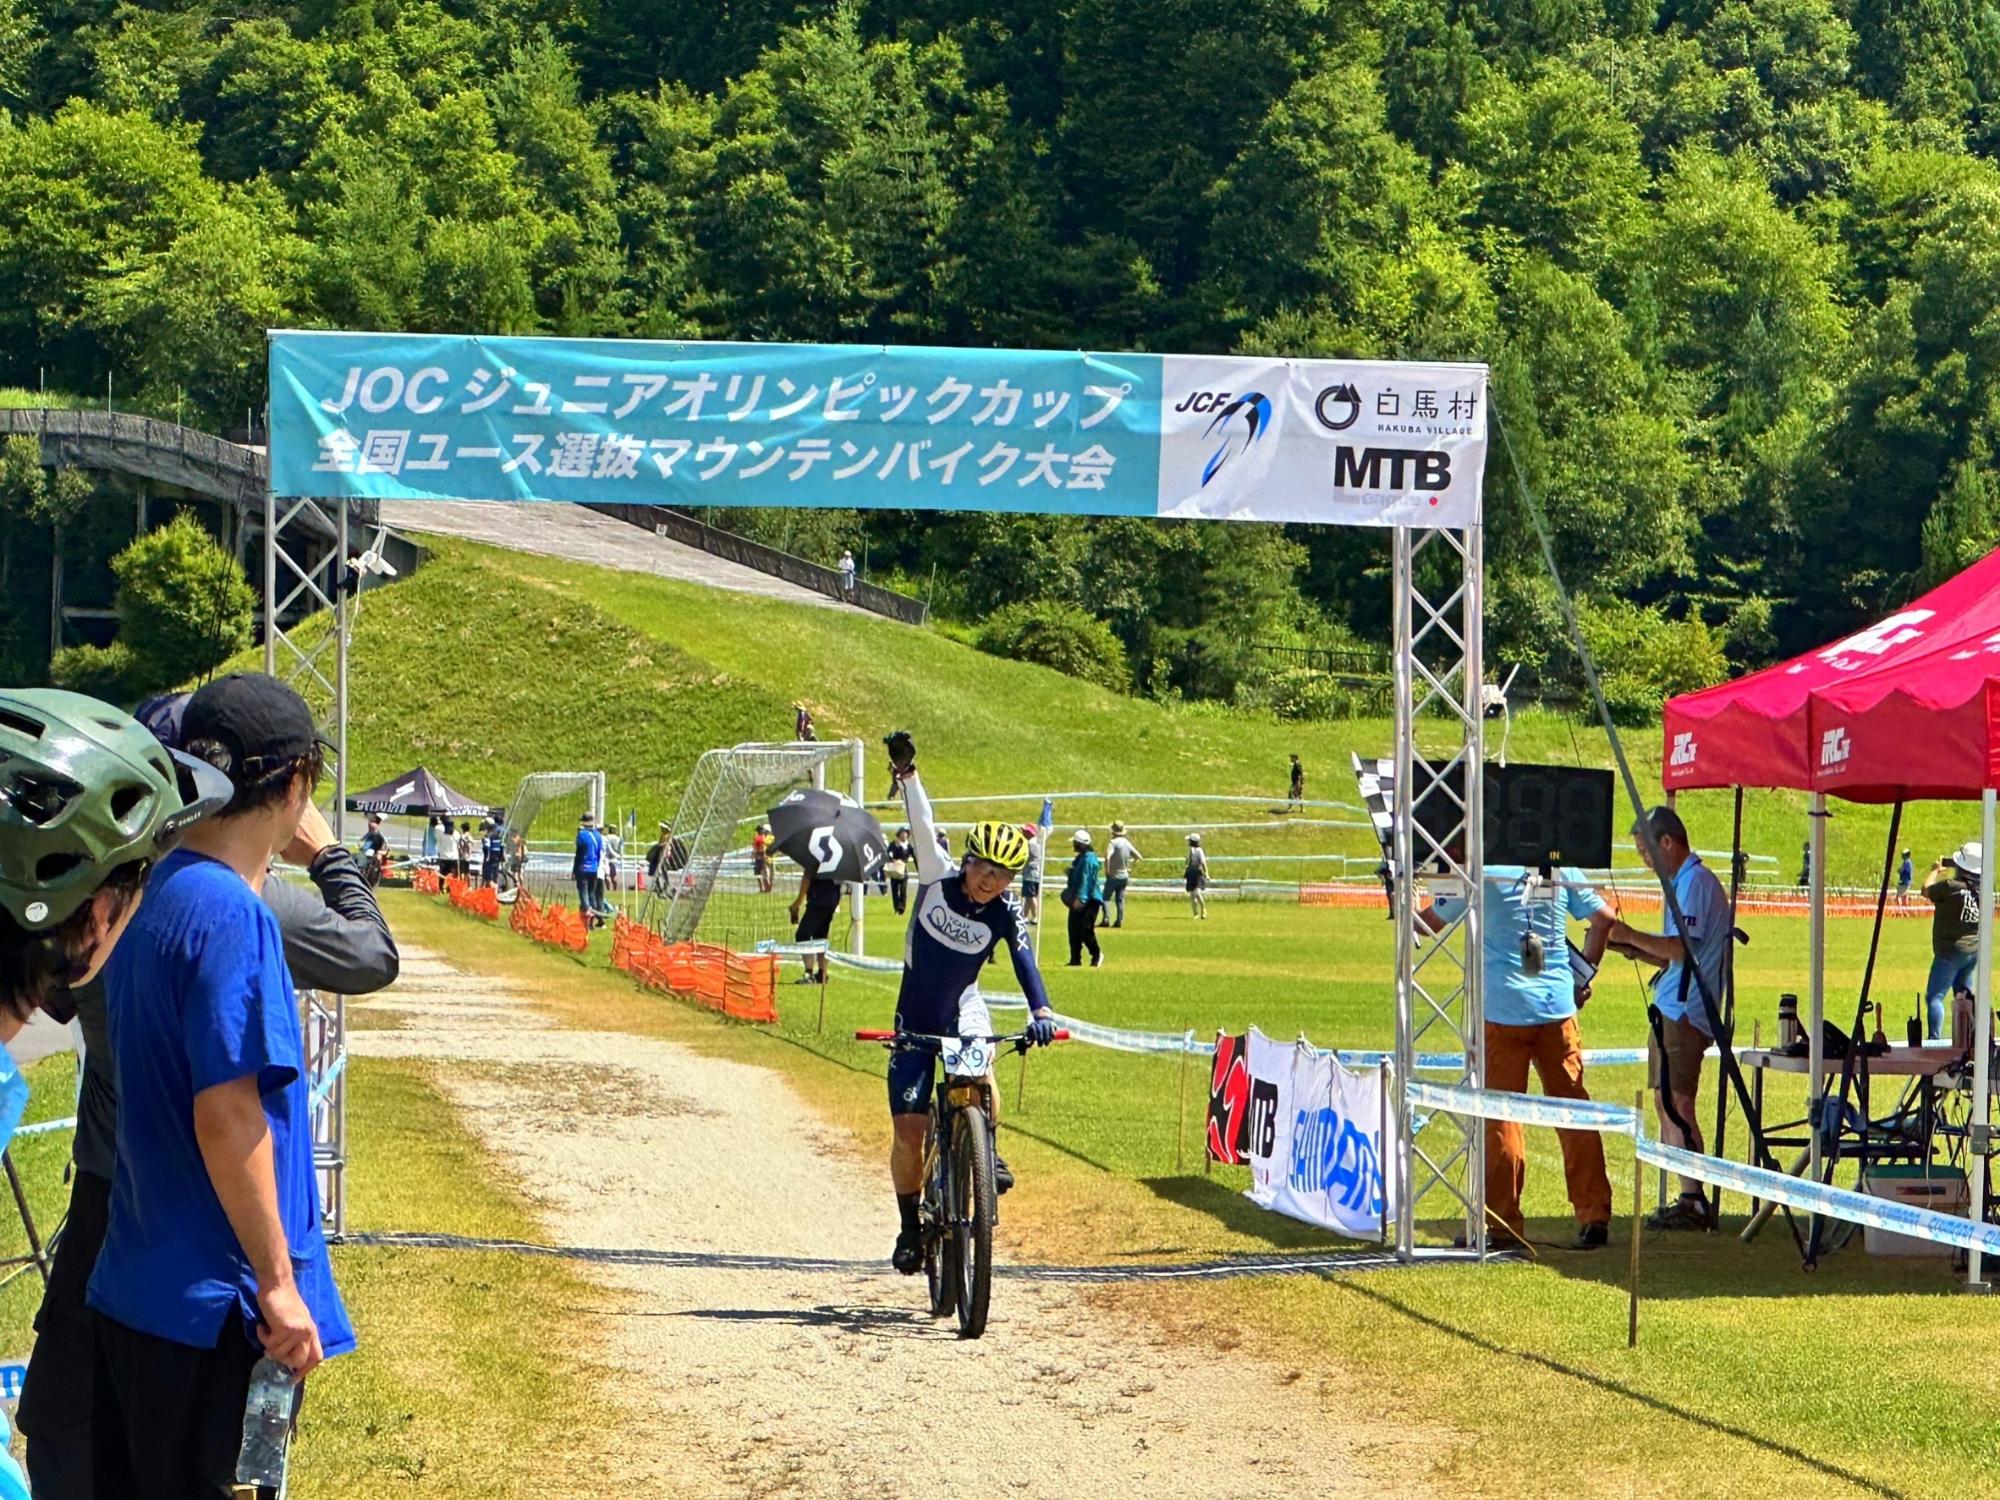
(1002, 844)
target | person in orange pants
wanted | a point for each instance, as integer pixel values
(1532, 996)
(1555, 1049)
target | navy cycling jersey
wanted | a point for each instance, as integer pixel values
(950, 935)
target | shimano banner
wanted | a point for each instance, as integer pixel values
(432, 417)
(1316, 1148)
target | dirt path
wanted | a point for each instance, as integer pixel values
(836, 1383)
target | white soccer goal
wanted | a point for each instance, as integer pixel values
(716, 895)
(541, 830)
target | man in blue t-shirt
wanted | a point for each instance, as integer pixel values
(213, 1254)
(1685, 1029)
(1532, 996)
(585, 867)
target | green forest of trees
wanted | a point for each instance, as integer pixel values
(1736, 265)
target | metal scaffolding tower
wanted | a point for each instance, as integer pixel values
(1439, 605)
(308, 610)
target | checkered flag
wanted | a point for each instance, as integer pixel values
(1377, 780)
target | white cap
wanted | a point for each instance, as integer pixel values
(1969, 858)
(1194, 838)
(1081, 838)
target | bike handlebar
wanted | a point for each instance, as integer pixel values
(910, 1038)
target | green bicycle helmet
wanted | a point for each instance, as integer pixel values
(85, 789)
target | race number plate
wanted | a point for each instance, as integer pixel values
(967, 1058)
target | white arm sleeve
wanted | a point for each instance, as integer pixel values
(931, 864)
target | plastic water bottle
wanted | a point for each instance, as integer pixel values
(267, 1425)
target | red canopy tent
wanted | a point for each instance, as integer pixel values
(1760, 731)
(1907, 709)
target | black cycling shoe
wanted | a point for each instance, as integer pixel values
(909, 1253)
(1003, 1175)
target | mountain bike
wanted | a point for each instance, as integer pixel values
(959, 1205)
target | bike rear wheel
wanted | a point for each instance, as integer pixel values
(972, 1218)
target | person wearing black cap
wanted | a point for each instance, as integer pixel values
(213, 1254)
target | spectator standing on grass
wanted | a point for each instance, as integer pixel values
(1805, 864)
(1119, 859)
(1031, 877)
(1679, 1012)
(1083, 894)
(492, 851)
(584, 867)
(465, 848)
(335, 940)
(847, 575)
(896, 867)
(613, 866)
(1532, 1004)
(820, 900)
(213, 1254)
(802, 724)
(1952, 888)
(431, 850)
(656, 856)
(1196, 877)
(760, 860)
(1295, 796)
(1905, 873)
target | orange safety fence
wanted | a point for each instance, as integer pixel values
(480, 901)
(743, 986)
(425, 882)
(555, 925)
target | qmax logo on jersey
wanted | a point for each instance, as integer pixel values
(960, 934)
(1338, 407)
(1241, 420)
(1834, 748)
(1406, 469)
(1684, 749)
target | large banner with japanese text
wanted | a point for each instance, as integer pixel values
(434, 417)
(1318, 1142)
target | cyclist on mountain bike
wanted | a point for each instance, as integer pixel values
(957, 918)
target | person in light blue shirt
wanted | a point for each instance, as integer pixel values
(1685, 1026)
(1531, 997)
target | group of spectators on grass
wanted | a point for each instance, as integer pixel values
(137, 897)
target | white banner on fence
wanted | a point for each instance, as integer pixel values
(1316, 1147)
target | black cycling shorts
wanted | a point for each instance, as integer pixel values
(913, 1074)
(814, 925)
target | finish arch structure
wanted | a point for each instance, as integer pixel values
(358, 417)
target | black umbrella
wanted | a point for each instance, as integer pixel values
(834, 838)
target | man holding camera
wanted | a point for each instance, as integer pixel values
(1532, 1000)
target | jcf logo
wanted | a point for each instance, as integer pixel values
(1684, 749)
(1241, 420)
(1834, 748)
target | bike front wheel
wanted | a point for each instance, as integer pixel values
(972, 1220)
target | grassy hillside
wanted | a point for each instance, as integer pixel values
(487, 664)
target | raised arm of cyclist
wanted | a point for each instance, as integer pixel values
(931, 865)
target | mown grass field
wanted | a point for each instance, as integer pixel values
(1751, 1375)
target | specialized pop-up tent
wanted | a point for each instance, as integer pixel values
(1906, 710)
(417, 794)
